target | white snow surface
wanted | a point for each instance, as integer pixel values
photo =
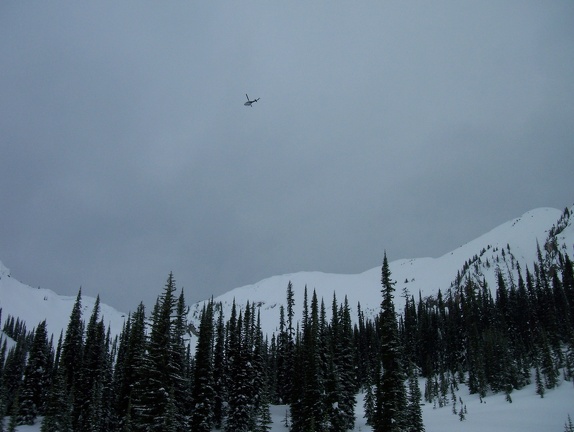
(527, 413)
(33, 305)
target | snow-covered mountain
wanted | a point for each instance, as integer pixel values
(33, 305)
(514, 242)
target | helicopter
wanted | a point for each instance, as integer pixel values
(250, 102)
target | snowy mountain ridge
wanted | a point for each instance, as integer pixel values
(511, 243)
(504, 248)
(33, 305)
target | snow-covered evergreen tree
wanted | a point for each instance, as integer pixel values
(132, 385)
(391, 395)
(219, 373)
(73, 345)
(89, 382)
(414, 421)
(58, 411)
(203, 395)
(159, 374)
(239, 415)
(36, 378)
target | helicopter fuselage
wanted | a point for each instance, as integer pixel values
(250, 102)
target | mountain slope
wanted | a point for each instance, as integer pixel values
(33, 305)
(503, 247)
(514, 242)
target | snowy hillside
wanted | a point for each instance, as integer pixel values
(33, 305)
(527, 413)
(502, 248)
(510, 243)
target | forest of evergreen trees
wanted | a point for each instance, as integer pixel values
(147, 379)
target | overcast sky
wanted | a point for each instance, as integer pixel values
(408, 126)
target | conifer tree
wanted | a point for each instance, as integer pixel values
(36, 378)
(474, 345)
(564, 328)
(13, 373)
(129, 370)
(391, 403)
(547, 362)
(264, 420)
(170, 419)
(133, 387)
(160, 374)
(331, 378)
(58, 411)
(286, 349)
(523, 319)
(219, 373)
(414, 413)
(298, 386)
(540, 390)
(203, 393)
(290, 310)
(13, 422)
(73, 346)
(568, 283)
(89, 381)
(109, 421)
(180, 369)
(3, 351)
(342, 348)
(119, 377)
(569, 426)
(284, 361)
(410, 342)
(239, 417)
(272, 368)
(369, 402)
(262, 413)
(313, 403)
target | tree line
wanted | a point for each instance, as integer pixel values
(147, 378)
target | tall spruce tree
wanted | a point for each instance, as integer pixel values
(203, 395)
(262, 414)
(119, 377)
(239, 417)
(88, 390)
(219, 373)
(313, 408)
(73, 346)
(284, 361)
(12, 375)
(296, 407)
(343, 407)
(391, 395)
(160, 375)
(36, 378)
(414, 413)
(58, 410)
(180, 369)
(287, 349)
(133, 389)
(568, 283)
